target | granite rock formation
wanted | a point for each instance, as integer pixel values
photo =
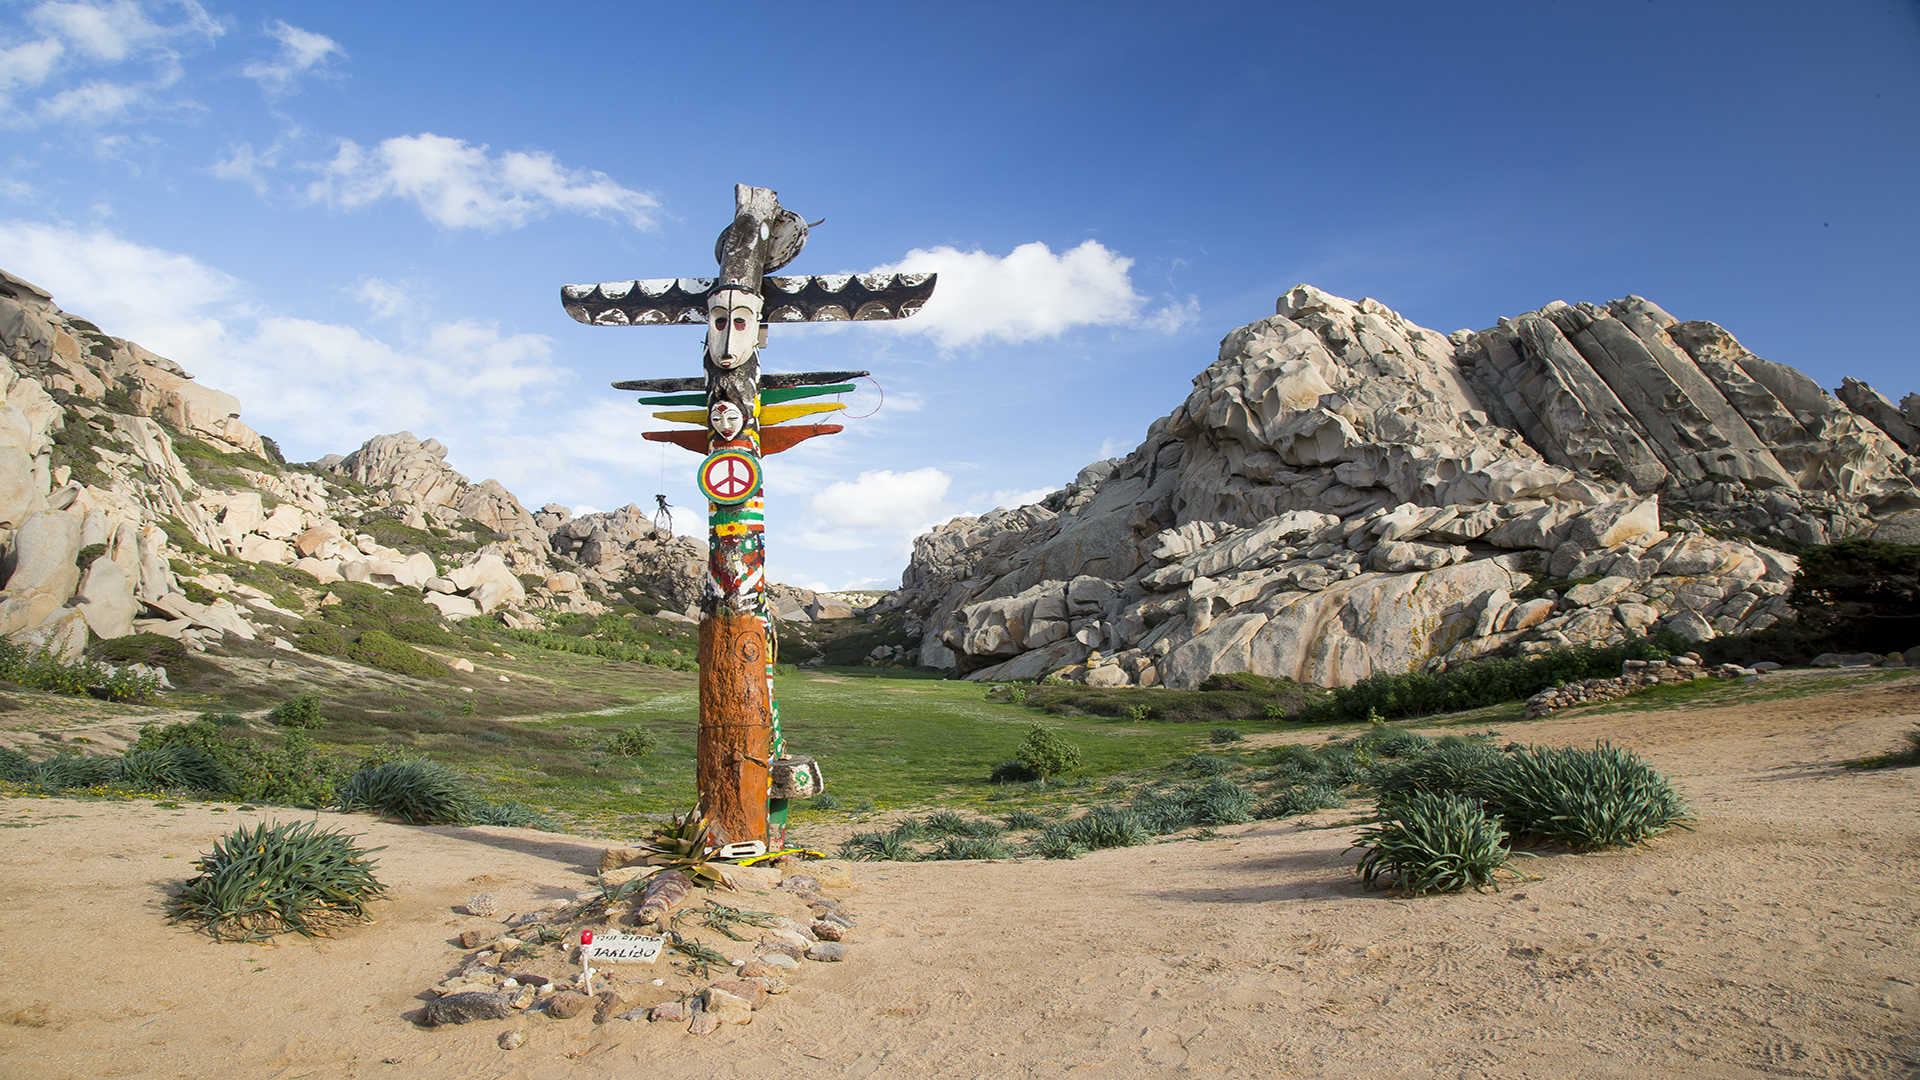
(1345, 493)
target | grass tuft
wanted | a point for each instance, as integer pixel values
(267, 879)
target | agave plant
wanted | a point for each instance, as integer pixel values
(685, 843)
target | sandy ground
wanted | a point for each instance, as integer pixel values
(1781, 937)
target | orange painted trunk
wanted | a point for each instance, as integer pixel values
(736, 726)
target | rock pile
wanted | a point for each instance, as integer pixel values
(1636, 675)
(1345, 493)
(530, 963)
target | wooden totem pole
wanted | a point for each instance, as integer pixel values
(738, 413)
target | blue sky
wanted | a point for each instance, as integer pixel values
(357, 218)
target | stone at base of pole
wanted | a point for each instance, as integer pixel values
(736, 727)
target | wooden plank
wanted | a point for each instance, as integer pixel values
(775, 439)
(736, 726)
(779, 394)
(689, 416)
(774, 414)
(694, 439)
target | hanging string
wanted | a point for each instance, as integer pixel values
(876, 405)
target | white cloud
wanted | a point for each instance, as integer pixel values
(102, 31)
(28, 65)
(242, 163)
(1029, 294)
(382, 297)
(16, 190)
(92, 103)
(1010, 499)
(301, 51)
(81, 38)
(460, 185)
(880, 508)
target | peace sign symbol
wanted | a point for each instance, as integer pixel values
(729, 477)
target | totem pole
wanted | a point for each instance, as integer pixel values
(743, 772)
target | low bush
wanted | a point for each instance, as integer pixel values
(1603, 797)
(1205, 765)
(511, 815)
(415, 791)
(181, 766)
(1221, 736)
(1046, 753)
(1012, 772)
(1478, 683)
(949, 823)
(1457, 765)
(300, 711)
(1022, 820)
(826, 800)
(633, 742)
(1056, 842)
(267, 879)
(378, 649)
(1433, 843)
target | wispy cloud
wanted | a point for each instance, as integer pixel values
(300, 52)
(460, 185)
(89, 56)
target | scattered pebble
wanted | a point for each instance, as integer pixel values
(725, 1007)
(827, 952)
(672, 1012)
(473, 939)
(524, 998)
(800, 883)
(511, 1040)
(481, 904)
(827, 931)
(704, 1023)
(568, 1004)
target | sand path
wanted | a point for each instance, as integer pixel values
(1780, 938)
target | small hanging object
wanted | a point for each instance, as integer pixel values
(662, 514)
(794, 777)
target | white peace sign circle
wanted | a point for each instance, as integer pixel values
(730, 478)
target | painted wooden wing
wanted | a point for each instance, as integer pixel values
(777, 380)
(787, 299)
(772, 440)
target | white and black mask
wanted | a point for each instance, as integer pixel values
(726, 419)
(733, 327)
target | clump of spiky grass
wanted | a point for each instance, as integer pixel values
(1218, 801)
(949, 823)
(890, 846)
(1221, 736)
(1303, 799)
(65, 772)
(176, 767)
(1162, 812)
(1055, 842)
(1457, 765)
(414, 790)
(969, 847)
(1107, 827)
(1022, 820)
(510, 815)
(1582, 798)
(1205, 765)
(267, 879)
(1434, 843)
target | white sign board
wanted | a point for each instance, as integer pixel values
(622, 948)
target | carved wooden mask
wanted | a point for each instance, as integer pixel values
(726, 419)
(733, 327)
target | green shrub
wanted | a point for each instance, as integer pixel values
(13, 764)
(1218, 801)
(378, 649)
(1106, 827)
(300, 711)
(633, 742)
(949, 823)
(826, 800)
(1162, 812)
(878, 847)
(1603, 797)
(1012, 772)
(1293, 763)
(1478, 683)
(1892, 759)
(969, 847)
(1046, 753)
(416, 791)
(1433, 843)
(267, 879)
(1224, 735)
(1860, 595)
(294, 773)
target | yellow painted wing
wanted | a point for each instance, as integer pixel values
(773, 414)
(684, 416)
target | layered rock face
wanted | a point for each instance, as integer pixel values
(130, 495)
(1345, 493)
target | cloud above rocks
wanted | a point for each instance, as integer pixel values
(462, 185)
(1029, 294)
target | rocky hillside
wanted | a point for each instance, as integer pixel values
(134, 499)
(1345, 493)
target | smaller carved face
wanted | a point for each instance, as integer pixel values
(733, 327)
(726, 419)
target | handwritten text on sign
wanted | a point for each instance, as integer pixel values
(624, 948)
